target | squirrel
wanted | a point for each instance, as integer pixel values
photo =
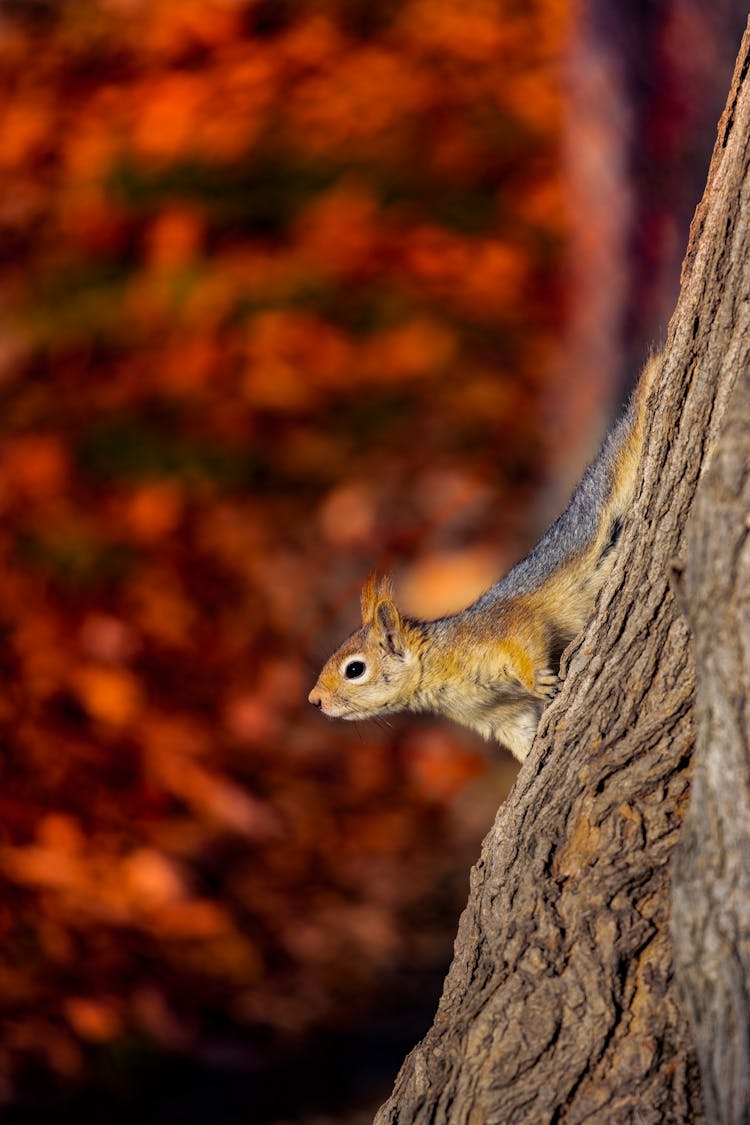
(494, 666)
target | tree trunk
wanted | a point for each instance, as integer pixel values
(711, 892)
(561, 1003)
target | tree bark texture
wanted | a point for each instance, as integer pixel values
(711, 891)
(561, 1003)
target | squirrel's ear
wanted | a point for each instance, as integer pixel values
(376, 589)
(379, 610)
(368, 599)
(388, 627)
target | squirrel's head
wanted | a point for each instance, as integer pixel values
(375, 671)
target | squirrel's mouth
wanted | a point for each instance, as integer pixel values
(334, 709)
(329, 707)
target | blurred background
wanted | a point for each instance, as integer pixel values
(290, 289)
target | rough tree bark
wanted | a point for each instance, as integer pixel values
(561, 1003)
(711, 872)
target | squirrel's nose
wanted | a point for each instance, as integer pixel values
(315, 699)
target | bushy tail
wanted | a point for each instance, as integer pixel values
(628, 436)
(575, 553)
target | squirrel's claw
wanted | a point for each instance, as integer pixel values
(546, 683)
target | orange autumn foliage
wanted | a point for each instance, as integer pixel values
(276, 278)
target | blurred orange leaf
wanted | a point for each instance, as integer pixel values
(152, 879)
(153, 510)
(219, 799)
(97, 1020)
(111, 695)
(193, 919)
(35, 466)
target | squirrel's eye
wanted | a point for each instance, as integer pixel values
(354, 669)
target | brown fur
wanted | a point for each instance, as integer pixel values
(493, 667)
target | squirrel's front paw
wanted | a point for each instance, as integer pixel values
(546, 683)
